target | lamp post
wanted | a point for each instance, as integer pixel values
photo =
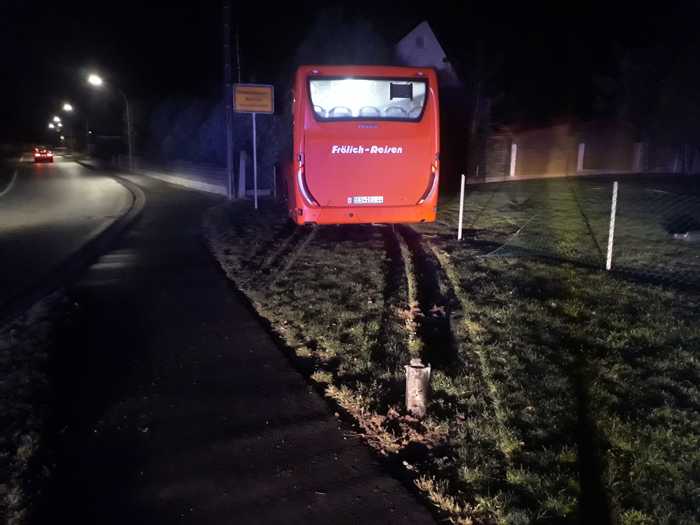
(69, 108)
(96, 81)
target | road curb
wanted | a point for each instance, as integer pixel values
(68, 269)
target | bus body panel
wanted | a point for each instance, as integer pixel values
(363, 170)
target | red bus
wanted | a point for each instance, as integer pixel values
(366, 145)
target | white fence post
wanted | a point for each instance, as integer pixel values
(513, 158)
(461, 210)
(580, 157)
(611, 232)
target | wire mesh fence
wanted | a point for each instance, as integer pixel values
(657, 227)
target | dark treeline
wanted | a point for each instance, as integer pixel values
(652, 86)
(192, 129)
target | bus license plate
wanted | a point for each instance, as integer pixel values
(366, 199)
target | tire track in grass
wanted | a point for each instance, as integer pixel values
(462, 384)
(228, 225)
(271, 234)
(435, 304)
(282, 260)
(415, 344)
(282, 240)
(396, 339)
(393, 346)
(294, 253)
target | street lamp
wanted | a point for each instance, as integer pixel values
(56, 119)
(67, 107)
(96, 81)
(51, 126)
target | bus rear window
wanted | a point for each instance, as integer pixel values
(364, 98)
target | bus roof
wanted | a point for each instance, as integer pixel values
(360, 70)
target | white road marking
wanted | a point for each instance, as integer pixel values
(9, 186)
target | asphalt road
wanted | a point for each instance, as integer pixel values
(47, 212)
(173, 404)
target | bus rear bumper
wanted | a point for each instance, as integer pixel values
(365, 215)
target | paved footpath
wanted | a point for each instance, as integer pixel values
(173, 404)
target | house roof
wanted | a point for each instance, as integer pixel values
(421, 48)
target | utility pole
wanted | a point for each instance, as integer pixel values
(129, 128)
(129, 133)
(228, 96)
(238, 54)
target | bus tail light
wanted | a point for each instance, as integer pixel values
(434, 170)
(301, 181)
(429, 190)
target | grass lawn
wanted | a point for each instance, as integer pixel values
(561, 394)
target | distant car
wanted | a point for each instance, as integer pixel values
(42, 154)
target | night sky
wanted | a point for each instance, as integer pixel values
(544, 58)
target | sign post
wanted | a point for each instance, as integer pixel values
(255, 165)
(254, 99)
(461, 210)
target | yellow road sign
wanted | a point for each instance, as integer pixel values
(253, 98)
